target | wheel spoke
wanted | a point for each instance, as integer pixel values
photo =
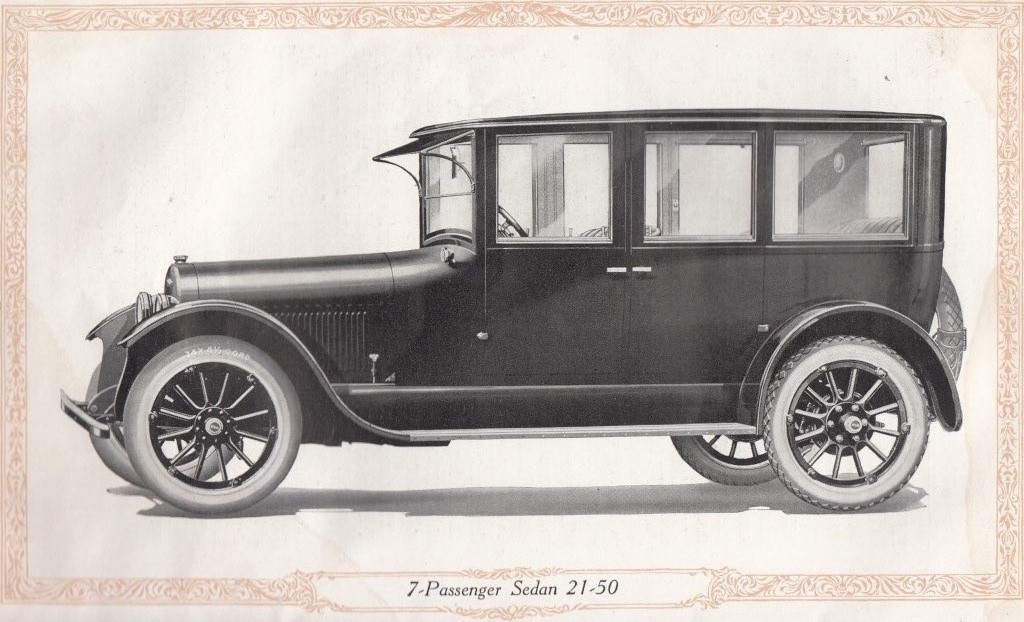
(202, 382)
(732, 452)
(874, 448)
(809, 435)
(833, 387)
(181, 454)
(810, 415)
(238, 452)
(188, 399)
(818, 454)
(856, 463)
(714, 439)
(882, 409)
(223, 468)
(223, 387)
(255, 437)
(879, 430)
(821, 400)
(199, 463)
(853, 384)
(870, 393)
(251, 415)
(839, 457)
(176, 433)
(176, 415)
(753, 449)
(242, 396)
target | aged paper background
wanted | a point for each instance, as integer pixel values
(256, 143)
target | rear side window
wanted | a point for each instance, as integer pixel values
(840, 184)
(697, 186)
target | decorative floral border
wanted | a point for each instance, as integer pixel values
(300, 589)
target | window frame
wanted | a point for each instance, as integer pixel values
(553, 241)
(705, 240)
(904, 238)
(457, 234)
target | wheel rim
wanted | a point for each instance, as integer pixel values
(744, 451)
(211, 411)
(847, 424)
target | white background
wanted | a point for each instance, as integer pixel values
(257, 144)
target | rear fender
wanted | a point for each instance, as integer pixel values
(250, 324)
(862, 319)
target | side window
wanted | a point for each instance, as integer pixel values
(840, 184)
(698, 186)
(554, 187)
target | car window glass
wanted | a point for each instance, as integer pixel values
(448, 189)
(840, 184)
(554, 187)
(697, 185)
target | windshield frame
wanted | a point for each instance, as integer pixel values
(463, 236)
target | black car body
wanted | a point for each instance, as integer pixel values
(637, 273)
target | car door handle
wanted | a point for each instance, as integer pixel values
(645, 269)
(616, 269)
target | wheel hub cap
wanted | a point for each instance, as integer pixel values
(853, 425)
(213, 426)
(843, 422)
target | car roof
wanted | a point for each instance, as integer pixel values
(711, 115)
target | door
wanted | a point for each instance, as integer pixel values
(696, 265)
(555, 260)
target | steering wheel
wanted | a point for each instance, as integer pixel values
(506, 228)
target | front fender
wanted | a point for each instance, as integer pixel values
(111, 331)
(224, 317)
(863, 319)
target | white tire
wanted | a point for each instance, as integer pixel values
(216, 396)
(846, 423)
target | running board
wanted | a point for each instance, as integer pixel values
(441, 413)
(686, 429)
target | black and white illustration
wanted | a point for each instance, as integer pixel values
(764, 287)
(344, 314)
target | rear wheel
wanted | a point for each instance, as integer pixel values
(201, 401)
(846, 423)
(734, 460)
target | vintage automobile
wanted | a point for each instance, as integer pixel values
(764, 287)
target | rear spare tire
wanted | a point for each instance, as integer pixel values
(949, 322)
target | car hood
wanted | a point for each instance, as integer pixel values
(314, 279)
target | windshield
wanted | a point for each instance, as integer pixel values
(447, 189)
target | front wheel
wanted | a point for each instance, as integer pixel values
(846, 423)
(111, 451)
(198, 403)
